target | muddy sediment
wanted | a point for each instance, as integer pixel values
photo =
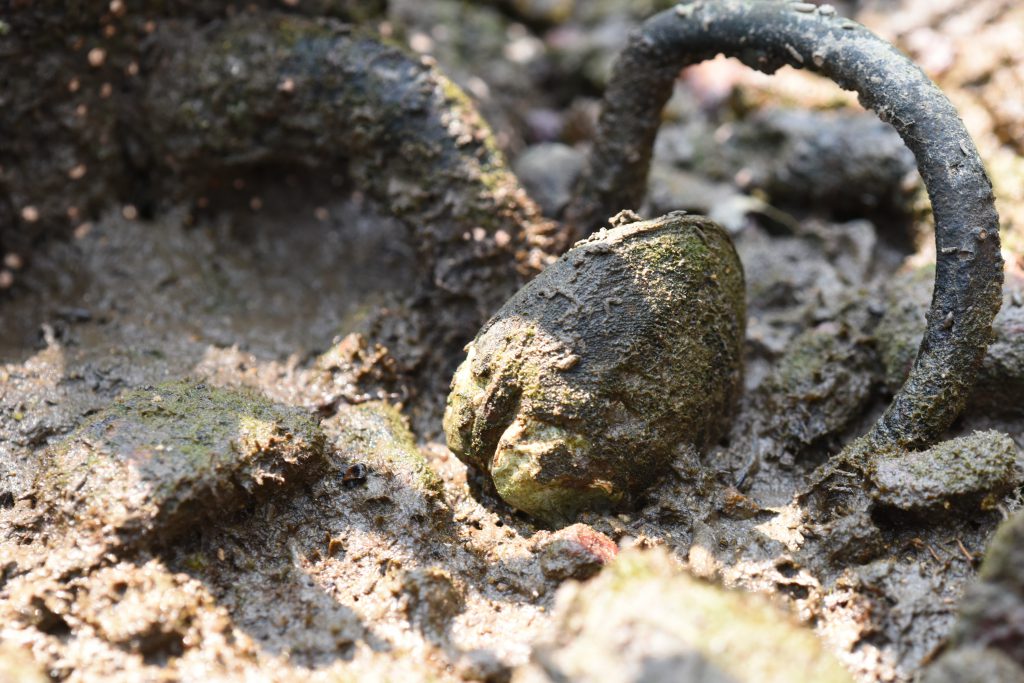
(379, 555)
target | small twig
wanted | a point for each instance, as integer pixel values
(970, 556)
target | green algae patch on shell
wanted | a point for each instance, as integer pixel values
(162, 459)
(621, 355)
(642, 619)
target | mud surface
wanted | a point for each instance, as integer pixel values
(391, 560)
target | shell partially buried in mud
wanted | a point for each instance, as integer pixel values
(587, 383)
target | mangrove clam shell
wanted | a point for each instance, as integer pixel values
(587, 383)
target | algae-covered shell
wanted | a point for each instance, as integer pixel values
(587, 383)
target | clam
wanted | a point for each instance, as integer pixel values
(621, 356)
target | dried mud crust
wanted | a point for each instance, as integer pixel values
(365, 574)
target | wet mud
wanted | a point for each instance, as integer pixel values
(323, 531)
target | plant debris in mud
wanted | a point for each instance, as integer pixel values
(380, 556)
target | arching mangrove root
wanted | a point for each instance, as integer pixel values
(70, 74)
(294, 90)
(766, 35)
(211, 99)
(284, 89)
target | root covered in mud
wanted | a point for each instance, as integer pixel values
(208, 101)
(378, 555)
(766, 36)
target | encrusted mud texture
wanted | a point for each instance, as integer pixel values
(162, 458)
(799, 157)
(989, 613)
(822, 384)
(975, 471)
(766, 35)
(966, 475)
(335, 94)
(622, 355)
(999, 384)
(973, 665)
(289, 286)
(987, 642)
(73, 77)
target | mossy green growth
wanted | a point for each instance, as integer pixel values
(292, 30)
(162, 458)
(642, 616)
(976, 471)
(818, 388)
(900, 331)
(1004, 558)
(377, 432)
(587, 383)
